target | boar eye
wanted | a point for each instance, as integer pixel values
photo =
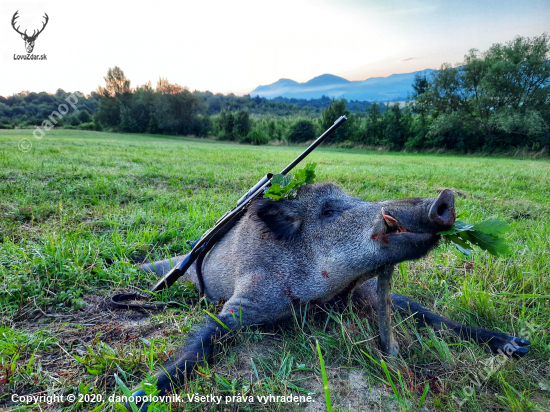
(328, 212)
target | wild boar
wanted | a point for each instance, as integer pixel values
(321, 246)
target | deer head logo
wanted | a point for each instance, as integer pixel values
(29, 40)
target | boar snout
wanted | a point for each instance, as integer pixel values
(442, 212)
(408, 227)
(417, 215)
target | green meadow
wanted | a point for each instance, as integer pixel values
(80, 208)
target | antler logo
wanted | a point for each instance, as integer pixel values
(29, 40)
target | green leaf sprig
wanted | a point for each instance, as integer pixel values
(287, 187)
(485, 235)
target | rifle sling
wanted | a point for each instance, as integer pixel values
(119, 301)
(211, 243)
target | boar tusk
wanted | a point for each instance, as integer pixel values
(391, 222)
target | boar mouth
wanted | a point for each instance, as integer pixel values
(392, 227)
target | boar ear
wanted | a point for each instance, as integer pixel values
(282, 218)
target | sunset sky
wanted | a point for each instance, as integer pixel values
(234, 46)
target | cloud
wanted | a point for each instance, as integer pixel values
(409, 58)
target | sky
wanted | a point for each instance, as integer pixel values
(234, 46)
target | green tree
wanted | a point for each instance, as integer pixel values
(333, 111)
(396, 131)
(241, 125)
(84, 116)
(256, 137)
(494, 100)
(116, 92)
(374, 127)
(302, 131)
(226, 121)
(116, 83)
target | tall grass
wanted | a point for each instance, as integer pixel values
(80, 207)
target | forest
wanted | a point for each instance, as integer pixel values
(493, 101)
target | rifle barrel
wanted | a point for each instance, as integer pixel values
(291, 166)
(262, 182)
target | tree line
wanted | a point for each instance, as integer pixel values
(28, 109)
(492, 101)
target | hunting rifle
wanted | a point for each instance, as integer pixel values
(201, 246)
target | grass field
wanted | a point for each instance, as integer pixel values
(80, 206)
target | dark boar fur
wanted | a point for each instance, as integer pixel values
(323, 245)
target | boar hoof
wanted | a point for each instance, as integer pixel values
(390, 350)
(138, 396)
(394, 349)
(511, 347)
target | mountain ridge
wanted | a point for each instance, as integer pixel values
(394, 87)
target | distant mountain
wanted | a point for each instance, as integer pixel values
(391, 88)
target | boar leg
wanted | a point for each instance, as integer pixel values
(498, 342)
(199, 347)
(197, 352)
(383, 292)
